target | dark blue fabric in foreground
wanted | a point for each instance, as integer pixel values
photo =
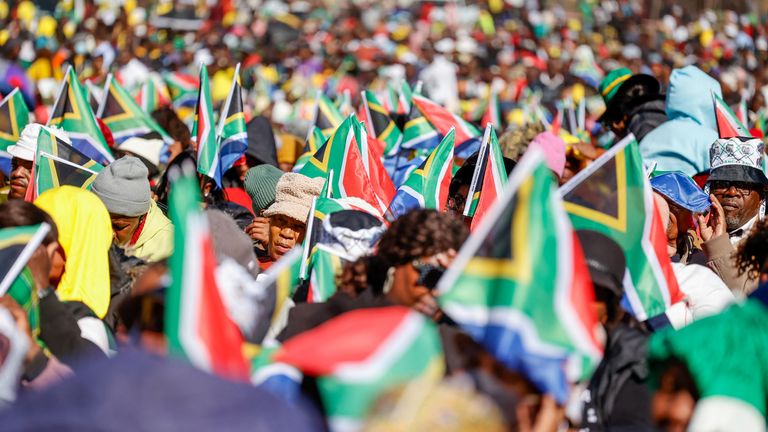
(139, 392)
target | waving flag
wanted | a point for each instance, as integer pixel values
(197, 325)
(467, 136)
(613, 196)
(57, 163)
(315, 139)
(17, 244)
(72, 113)
(182, 88)
(369, 148)
(14, 115)
(231, 133)
(95, 95)
(521, 288)
(488, 180)
(152, 95)
(382, 348)
(123, 115)
(379, 124)
(341, 154)
(24, 292)
(728, 125)
(427, 186)
(492, 112)
(208, 162)
(327, 116)
(324, 253)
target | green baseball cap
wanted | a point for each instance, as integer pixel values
(609, 86)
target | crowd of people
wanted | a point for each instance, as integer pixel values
(88, 315)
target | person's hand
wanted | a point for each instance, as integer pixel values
(22, 323)
(427, 304)
(715, 227)
(40, 267)
(258, 230)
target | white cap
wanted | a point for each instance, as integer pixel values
(148, 149)
(26, 147)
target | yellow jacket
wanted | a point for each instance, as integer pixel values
(155, 241)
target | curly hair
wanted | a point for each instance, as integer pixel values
(752, 254)
(419, 233)
(515, 142)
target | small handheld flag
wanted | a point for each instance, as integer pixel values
(123, 115)
(231, 133)
(728, 125)
(14, 115)
(208, 162)
(73, 113)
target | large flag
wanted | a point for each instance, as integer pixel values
(370, 149)
(57, 164)
(14, 115)
(24, 292)
(488, 180)
(197, 324)
(72, 113)
(315, 139)
(382, 348)
(419, 133)
(124, 116)
(208, 162)
(17, 244)
(182, 88)
(728, 125)
(427, 186)
(521, 288)
(341, 155)
(327, 116)
(379, 123)
(231, 133)
(613, 196)
(467, 136)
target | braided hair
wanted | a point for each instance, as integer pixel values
(419, 233)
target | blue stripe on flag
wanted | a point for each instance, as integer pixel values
(547, 373)
(468, 148)
(231, 151)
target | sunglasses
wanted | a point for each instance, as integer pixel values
(743, 188)
(429, 274)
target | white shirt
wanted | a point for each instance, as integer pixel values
(745, 229)
(705, 294)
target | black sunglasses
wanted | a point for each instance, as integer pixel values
(429, 274)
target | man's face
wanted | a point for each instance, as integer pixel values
(740, 201)
(123, 228)
(21, 176)
(457, 202)
(284, 234)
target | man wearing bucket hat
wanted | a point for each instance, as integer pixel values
(634, 103)
(738, 186)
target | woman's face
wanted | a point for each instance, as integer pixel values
(284, 234)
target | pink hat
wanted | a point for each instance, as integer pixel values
(553, 148)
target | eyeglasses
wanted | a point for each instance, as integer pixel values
(743, 188)
(429, 274)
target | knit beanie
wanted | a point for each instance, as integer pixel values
(293, 196)
(260, 184)
(123, 187)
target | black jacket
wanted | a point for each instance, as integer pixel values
(617, 397)
(646, 116)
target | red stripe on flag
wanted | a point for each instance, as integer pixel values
(659, 242)
(442, 119)
(222, 339)
(582, 292)
(301, 350)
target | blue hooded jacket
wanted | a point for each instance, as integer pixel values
(682, 142)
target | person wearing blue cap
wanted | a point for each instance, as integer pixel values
(684, 199)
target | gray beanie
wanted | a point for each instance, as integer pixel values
(123, 187)
(230, 241)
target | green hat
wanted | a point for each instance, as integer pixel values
(609, 86)
(260, 184)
